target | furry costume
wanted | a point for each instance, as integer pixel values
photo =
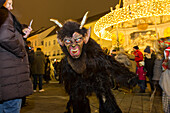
(90, 71)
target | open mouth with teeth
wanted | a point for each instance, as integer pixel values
(74, 51)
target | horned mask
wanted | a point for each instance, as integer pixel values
(73, 36)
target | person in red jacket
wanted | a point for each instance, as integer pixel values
(138, 55)
(142, 77)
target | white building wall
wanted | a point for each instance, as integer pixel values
(52, 48)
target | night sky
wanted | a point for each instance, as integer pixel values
(42, 10)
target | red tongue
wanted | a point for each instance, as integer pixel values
(74, 52)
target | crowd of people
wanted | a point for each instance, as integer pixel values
(42, 68)
(149, 64)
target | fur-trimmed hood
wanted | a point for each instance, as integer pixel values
(3, 15)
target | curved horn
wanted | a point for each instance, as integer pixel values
(83, 20)
(57, 22)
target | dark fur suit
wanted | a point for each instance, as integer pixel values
(93, 71)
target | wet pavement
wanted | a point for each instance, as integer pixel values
(54, 100)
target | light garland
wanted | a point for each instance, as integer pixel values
(130, 12)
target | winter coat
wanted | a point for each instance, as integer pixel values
(38, 65)
(31, 59)
(138, 57)
(47, 70)
(47, 67)
(141, 74)
(14, 65)
(157, 71)
(149, 65)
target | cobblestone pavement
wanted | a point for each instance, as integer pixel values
(54, 100)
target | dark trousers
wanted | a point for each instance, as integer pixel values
(23, 101)
(142, 84)
(35, 80)
(151, 83)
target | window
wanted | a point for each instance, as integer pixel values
(35, 43)
(42, 42)
(49, 43)
(45, 44)
(58, 52)
(54, 42)
(54, 53)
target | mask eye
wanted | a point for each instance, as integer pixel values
(67, 41)
(78, 40)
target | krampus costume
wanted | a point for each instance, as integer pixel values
(86, 69)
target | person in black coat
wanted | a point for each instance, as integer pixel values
(47, 69)
(57, 67)
(149, 64)
(15, 82)
(38, 69)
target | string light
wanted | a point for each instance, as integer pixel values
(130, 12)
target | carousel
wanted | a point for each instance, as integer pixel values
(138, 22)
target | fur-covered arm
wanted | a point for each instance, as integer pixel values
(101, 62)
(121, 74)
(8, 39)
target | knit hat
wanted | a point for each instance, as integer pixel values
(147, 49)
(136, 47)
(141, 63)
(2, 3)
